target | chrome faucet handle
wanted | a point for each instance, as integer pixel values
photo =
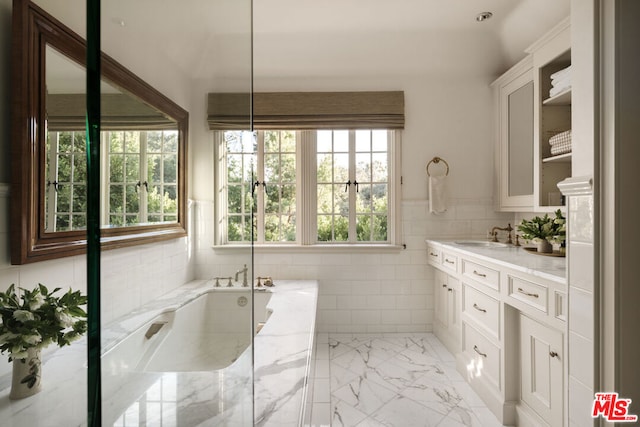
(268, 281)
(517, 243)
(217, 285)
(230, 284)
(245, 272)
(259, 285)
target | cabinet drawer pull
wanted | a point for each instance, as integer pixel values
(527, 293)
(448, 261)
(432, 254)
(450, 290)
(478, 308)
(479, 274)
(475, 348)
(444, 285)
(553, 354)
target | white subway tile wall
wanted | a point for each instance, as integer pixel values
(362, 292)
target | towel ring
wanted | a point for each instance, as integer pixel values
(437, 160)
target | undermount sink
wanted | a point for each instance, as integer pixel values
(481, 244)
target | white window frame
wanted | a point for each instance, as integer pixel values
(143, 189)
(306, 201)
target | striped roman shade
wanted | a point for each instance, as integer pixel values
(307, 110)
(117, 112)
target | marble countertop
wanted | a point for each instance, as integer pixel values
(517, 258)
(280, 361)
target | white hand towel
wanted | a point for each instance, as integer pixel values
(437, 194)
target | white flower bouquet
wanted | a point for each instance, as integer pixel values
(37, 319)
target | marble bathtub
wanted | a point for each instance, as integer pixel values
(167, 389)
(207, 334)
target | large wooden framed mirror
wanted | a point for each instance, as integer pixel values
(143, 147)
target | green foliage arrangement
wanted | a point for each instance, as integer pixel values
(37, 319)
(545, 228)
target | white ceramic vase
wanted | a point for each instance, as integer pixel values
(26, 375)
(544, 247)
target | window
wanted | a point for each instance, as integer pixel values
(309, 187)
(66, 174)
(140, 173)
(143, 179)
(352, 186)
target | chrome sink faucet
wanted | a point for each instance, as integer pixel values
(508, 229)
(244, 272)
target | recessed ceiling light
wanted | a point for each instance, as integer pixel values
(483, 16)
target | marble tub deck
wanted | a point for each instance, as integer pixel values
(282, 351)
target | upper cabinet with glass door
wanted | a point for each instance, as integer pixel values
(533, 111)
(514, 96)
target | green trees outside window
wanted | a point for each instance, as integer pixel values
(139, 170)
(346, 185)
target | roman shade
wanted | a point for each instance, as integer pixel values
(66, 112)
(306, 110)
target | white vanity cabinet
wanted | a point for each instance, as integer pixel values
(505, 323)
(528, 112)
(447, 309)
(542, 373)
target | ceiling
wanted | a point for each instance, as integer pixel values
(205, 38)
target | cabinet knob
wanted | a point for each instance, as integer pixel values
(553, 354)
(450, 290)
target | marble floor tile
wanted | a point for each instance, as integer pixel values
(399, 380)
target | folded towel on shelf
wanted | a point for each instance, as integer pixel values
(555, 90)
(560, 143)
(561, 137)
(562, 148)
(437, 194)
(560, 81)
(559, 75)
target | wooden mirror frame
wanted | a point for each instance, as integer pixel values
(34, 29)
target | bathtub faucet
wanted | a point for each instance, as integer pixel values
(244, 272)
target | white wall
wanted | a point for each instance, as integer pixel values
(365, 291)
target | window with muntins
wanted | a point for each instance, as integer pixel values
(309, 187)
(140, 173)
(143, 181)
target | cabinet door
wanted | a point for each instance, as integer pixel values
(541, 354)
(516, 136)
(454, 308)
(441, 296)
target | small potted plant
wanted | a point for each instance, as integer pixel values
(544, 231)
(30, 323)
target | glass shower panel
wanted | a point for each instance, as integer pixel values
(177, 324)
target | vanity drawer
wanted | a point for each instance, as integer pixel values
(434, 255)
(480, 273)
(484, 355)
(530, 293)
(450, 261)
(483, 309)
